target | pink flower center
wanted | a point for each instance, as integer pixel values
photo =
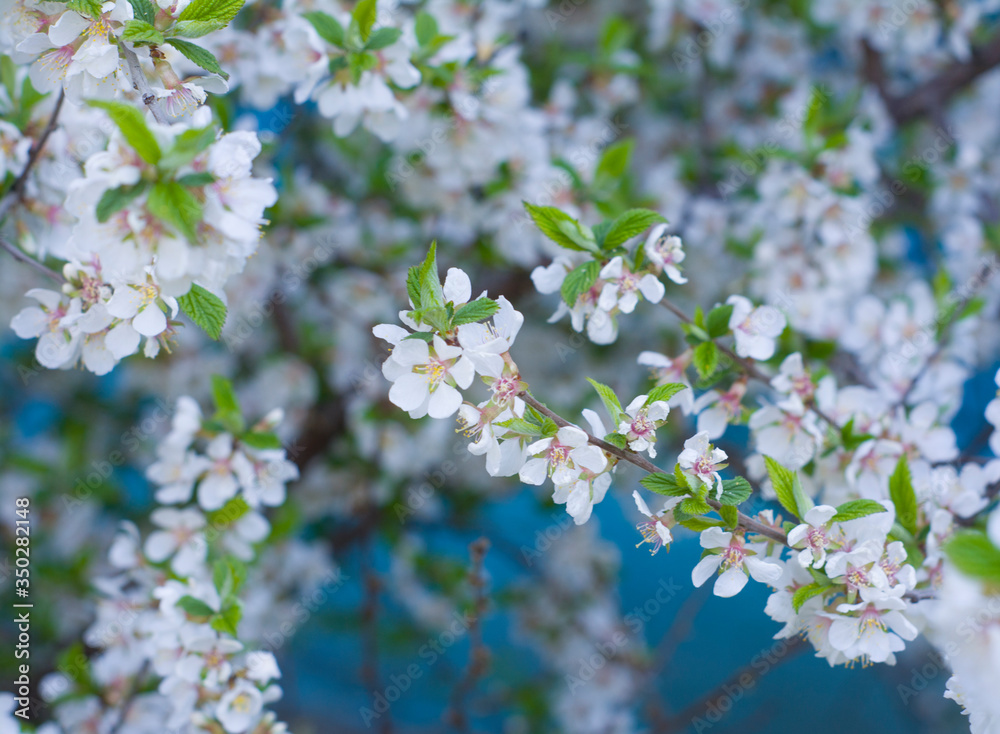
(733, 556)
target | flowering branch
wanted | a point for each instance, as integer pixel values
(36, 150)
(141, 85)
(747, 523)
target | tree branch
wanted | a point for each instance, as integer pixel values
(17, 188)
(745, 522)
(141, 84)
(21, 256)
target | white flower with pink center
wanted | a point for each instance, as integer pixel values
(701, 461)
(734, 561)
(581, 493)
(873, 629)
(485, 344)
(624, 286)
(666, 252)
(715, 410)
(816, 534)
(563, 457)
(503, 459)
(425, 377)
(643, 420)
(655, 530)
(787, 432)
(664, 370)
(755, 329)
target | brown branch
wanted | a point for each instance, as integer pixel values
(479, 654)
(745, 522)
(17, 188)
(935, 93)
(141, 84)
(18, 254)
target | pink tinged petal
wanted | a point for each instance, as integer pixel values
(122, 340)
(730, 583)
(409, 392)
(844, 633)
(763, 571)
(457, 286)
(150, 321)
(444, 402)
(534, 471)
(160, 545)
(705, 568)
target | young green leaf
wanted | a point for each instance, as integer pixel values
(695, 506)
(548, 219)
(854, 509)
(665, 484)
(628, 225)
(783, 482)
(579, 280)
(133, 127)
(261, 440)
(327, 27)
(521, 427)
(609, 399)
(199, 56)
(139, 31)
(735, 491)
(143, 10)
(431, 293)
(705, 358)
(426, 28)
(664, 392)
(717, 323)
(382, 38)
(805, 593)
(196, 180)
(195, 28)
(902, 495)
(114, 200)
(90, 8)
(205, 309)
(195, 607)
(228, 619)
(365, 14)
(614, 160)
(974, 555)
(221, 11)
(475, 311)
(730, 515)
(171, 202)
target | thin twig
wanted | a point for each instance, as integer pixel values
(21, 256)
(17, 188)
(479, 654)
(745, 522)
(141, 84)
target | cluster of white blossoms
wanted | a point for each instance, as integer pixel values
(165, 210)
(172, 608)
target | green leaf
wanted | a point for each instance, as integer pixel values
(580, 234)
(114, 200)
(228, 619)
(629, 224)
(975, 556)
(617, 439)
(735, 491)
(695, 506)
(382, 38)
(221, 11)
(475, 311)
(327, 27)
(706, 358)
(664, 392)
(196, 180)
(91, 8)
(426, 28)
(609, 399)
(139, 31)
(195, 28)
(174, 204)
(224, 395)
(614, 160)
(665, 484)
(228, 575)
(205, 309)
(431, 293)
(364, 15)
(850, 439)
(521, 427)
(187, 146)
(548, 219)
(133, 127)
(857, 508)
(195, 607)
(902, 495)
(718, 321)
(261, 440)
(783, 481)
(230, 512)
(697, 523)
(143, 10)
(199, 56)
(730, 515)
(805, 593)
(579, 280)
